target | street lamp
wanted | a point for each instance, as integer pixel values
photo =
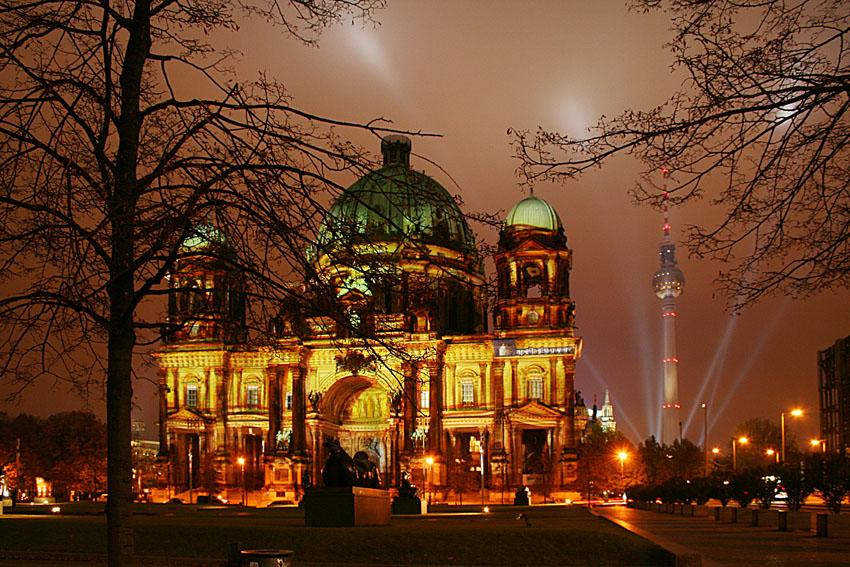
(705, 433)
(428, 480)
(622, 455)
(795, 413)
(460, 479)
(742, 441)
(241, 462)
(770, 453)
(821, 442)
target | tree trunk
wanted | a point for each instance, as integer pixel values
(121, 206)
(119, 394)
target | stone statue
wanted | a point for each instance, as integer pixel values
(368, 475)
(396, 400)
(281, 441)
(407, 490)
(315, 399)
(339, 468)
(342, 470)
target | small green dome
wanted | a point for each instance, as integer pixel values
(203, 236)
(396, 203)
(533, 212)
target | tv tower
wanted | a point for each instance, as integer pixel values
(668, 283)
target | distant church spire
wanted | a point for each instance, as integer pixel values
(668, 283)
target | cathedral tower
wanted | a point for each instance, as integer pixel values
(668, 283)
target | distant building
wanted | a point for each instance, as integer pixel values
(834, 382)
(606, 414)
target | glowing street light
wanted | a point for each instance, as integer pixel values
(241, 462)
(770, 453)
(742, 441)
(622, 456)
(795, 413)
(428, 480)
(705, 433)
(821, 442)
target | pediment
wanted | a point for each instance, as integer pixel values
(535, 411)
(531, 245)
(188, 416)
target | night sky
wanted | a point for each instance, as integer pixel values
(469, 71)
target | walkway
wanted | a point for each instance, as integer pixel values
(727, 545)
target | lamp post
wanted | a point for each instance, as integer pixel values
(241, 461)
(821, 442)
(742, 441)
(705, 433)
(429, 481)
(622, 455)
(190, 472)
(771, 453)
(460, 479)
(795, 413)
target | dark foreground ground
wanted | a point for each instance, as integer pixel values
(195, 535)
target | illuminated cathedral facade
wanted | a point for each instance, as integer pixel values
(413, 375)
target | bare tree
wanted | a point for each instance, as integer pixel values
(122, 130)
(759, 127)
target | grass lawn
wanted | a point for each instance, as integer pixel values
(557, 536)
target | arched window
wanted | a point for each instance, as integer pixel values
(467, 392)
(252, 395)
(535, 383)
(192, 395)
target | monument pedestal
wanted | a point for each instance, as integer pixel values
(409, 505)
(346, 506)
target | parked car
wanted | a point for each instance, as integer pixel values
(176, 501)
(209, 499)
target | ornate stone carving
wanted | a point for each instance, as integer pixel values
(354, 361)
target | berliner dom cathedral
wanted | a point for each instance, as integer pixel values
(402, 353)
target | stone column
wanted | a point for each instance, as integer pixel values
(276, 375)
(435, 422)
(514, 382)
(569, 405)
(516, 455)
(482, 375)
(497, 381)
(162, 375)
(451, 381)
(553, 381)
(222, 383)
(410, 371)
(298, 447)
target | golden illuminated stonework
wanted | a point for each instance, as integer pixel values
(404, 369)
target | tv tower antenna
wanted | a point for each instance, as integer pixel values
(668, 284)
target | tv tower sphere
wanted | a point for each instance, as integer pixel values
(669, 279)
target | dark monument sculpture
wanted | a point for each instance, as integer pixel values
(352, 494)
(407, 501)
(342, 470)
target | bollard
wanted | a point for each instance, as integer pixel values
(823, 525)
(267, 558)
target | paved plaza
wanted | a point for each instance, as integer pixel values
(726, 545)
(695, 541)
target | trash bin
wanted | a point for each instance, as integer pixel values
(266, 558)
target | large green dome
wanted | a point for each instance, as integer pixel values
(533, 212)
(396, 203)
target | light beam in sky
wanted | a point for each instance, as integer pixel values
(367, 45)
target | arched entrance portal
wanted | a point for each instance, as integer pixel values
(356, 410)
